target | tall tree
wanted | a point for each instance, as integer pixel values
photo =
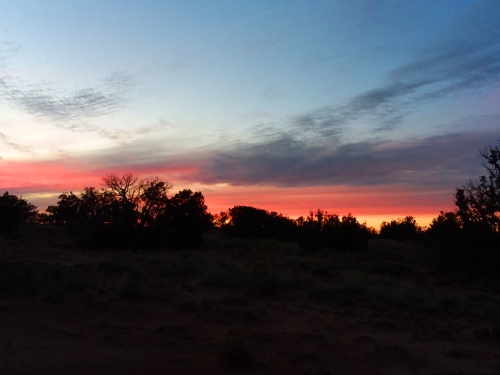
(185, 218)
(137, 201)
(153, 199)
(479, 202)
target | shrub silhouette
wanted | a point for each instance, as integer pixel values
(463, 250)
(401, 229)
(479, 202)
(248, 222)
(251, 222)
(15, 211)
(322, 230)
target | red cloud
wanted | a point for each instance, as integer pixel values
(59, 176)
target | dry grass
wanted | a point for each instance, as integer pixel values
(241, 305)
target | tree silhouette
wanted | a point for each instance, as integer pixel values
(466, 243)
(135, 201)
(479, 202)
(126, 188)
(248, 222)
(115, 215)
(329, 231)
(251, 222)
(153, 199)
(66, 210)
(401, 229)
(15, 211)
(184, 219)
(92, 205)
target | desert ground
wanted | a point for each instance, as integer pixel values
(238, 306)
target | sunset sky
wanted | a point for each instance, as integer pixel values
(377, 108)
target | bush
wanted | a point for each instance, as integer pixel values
(480, 202)
(250, 222)
(322, 230)
(401, 229)
(470, 250)
(14, 211)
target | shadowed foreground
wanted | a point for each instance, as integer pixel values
(238, 306)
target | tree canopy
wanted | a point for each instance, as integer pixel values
(479, 202)
(401, 229)
(14, 211)
(132, 211)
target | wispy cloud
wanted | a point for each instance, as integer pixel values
(119, 80)
(71, 109)
(6, 141)
(466, 56)
(57, 106)
(8, 48)
(120, 135)
(62, 105)
(326, 121)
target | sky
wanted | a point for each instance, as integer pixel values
(375, 108)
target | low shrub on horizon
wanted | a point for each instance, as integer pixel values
(321, 230)
(405, 229)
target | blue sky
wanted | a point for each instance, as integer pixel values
(228, 96)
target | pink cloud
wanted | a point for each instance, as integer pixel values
(60, 175)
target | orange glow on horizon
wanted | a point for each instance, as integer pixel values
(370, 204)
(42, 182)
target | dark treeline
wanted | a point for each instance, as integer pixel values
(130, 212)
(133, 213)
(317, 231)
